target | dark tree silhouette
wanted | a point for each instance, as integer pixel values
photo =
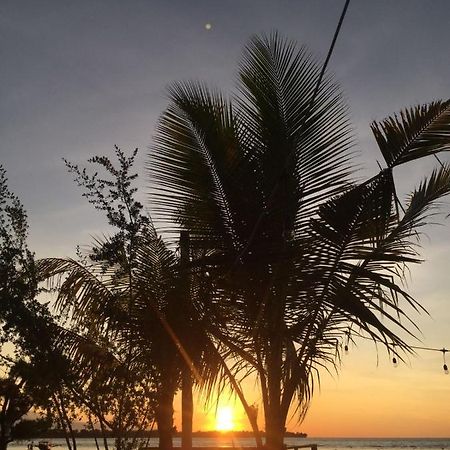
(297, 247)
(134, 291)
(26, 324)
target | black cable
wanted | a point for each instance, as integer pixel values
(330, 51)
(311, 104)
(431, 349)
(442, 350)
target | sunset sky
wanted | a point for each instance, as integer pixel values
(78, 77)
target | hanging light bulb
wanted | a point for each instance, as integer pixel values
(394, 358)
(445, 367)
(347, 341)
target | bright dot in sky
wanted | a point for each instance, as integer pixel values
(224, 418)
(208, 26)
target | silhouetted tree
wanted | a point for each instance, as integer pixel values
(26, 324)
(138, 291)
(128, 296)
(291, 241)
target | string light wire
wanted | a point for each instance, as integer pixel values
(442, 350)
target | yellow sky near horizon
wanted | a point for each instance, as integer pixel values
(378, 400)
(367, 399)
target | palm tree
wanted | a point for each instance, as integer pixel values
(297, 247)
(122, 295)
(133, 293)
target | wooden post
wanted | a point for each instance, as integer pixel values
(187, 405)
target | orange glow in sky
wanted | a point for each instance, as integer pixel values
(369, 398)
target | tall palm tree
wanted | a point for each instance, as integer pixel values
(265, 186)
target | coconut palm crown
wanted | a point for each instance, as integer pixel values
(265, 185)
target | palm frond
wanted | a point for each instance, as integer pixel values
(302, 148)
(424, 198)
(82, 290)
(415, 133)
(194, 158)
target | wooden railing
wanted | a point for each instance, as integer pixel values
(296, 447)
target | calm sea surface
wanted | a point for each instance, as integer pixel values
(323, 443)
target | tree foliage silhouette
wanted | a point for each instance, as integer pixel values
(265, 185)
(129, 292)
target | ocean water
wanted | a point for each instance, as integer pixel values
(323, 443)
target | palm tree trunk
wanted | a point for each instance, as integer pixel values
(275, 423)
(187, 404)
(5, 433)
(274, 426)
(164, 416)
(4, 441)
(62, 421)
(187, 411)
(274, 435)
(68, 421)
(94, 431)
(102, 428)
(5, 428)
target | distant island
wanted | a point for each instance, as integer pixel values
(55, 433)
(241, 433)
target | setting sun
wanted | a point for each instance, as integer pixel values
(224, 418)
